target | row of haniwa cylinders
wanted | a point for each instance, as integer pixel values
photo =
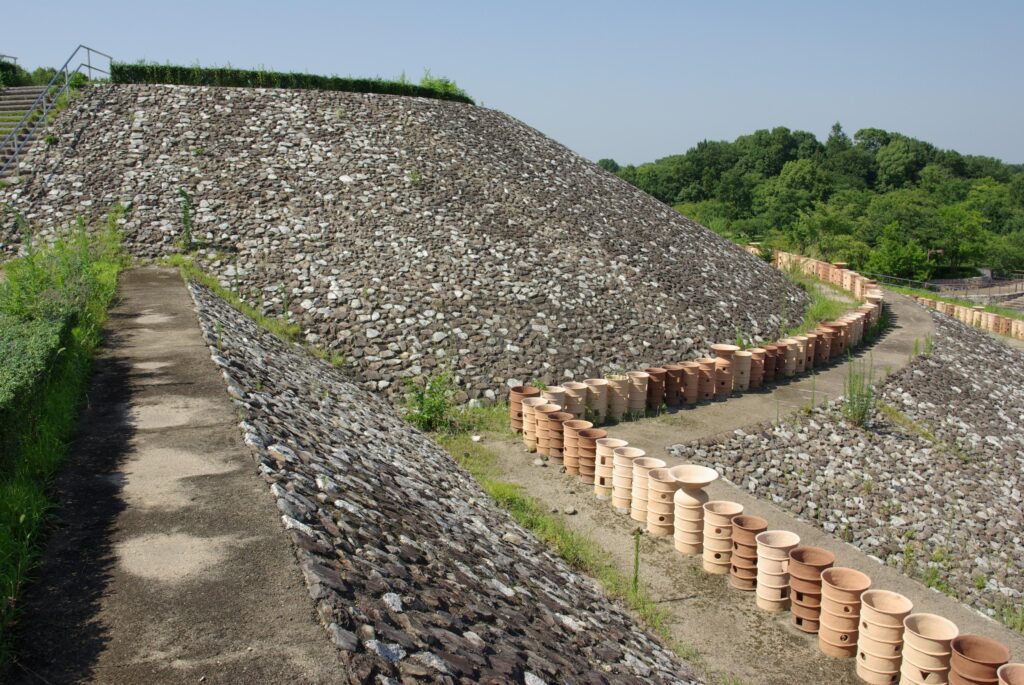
(731, 371)
(977, 317)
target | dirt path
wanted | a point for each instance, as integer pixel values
(167, 562)
(723, 624)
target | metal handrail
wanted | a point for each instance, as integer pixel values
(46, 103)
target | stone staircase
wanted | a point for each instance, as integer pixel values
(14, 102)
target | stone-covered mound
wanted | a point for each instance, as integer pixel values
(932, 484)
(407, 233)
(415, 573)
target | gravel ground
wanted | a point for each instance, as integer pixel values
(416, 574)
(932, 484)
(406, 234)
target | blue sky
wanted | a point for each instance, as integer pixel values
(634, 81)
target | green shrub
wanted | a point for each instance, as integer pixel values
(52, 303)
(430, 403)
(430, 87)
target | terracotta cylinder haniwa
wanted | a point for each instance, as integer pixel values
(775, 544)
(706, 379)
(808, 562)
(576, 399)
(745, 528)
(604, 466)
(556, 436)
(812, 342)
(844, 584)
(690, 382)
(673, 384)
(741, 363)
(661, 487)
(926, 642)
(883, 609)
(790, 356)
(637, 402)
(977, 658)
(530, 405)
(724, 350)
(587, 449)
(618, 396)
(515, 404)
(723, 379)
(655, 387)
(597, 398)
(571, 439)
(756, 367)
(554, 394)
(638, 494)
(542, 412)
(1011, 674)
(770, 363)
(717, 552)
(837, 346)
(801, 353)
(622, 476)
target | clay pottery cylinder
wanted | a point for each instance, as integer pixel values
(805, 618)
(622, 475)
(655, 387)
(743, 574)
(1011, 674)
(872, 677)
(929, 637)
(638, 492)
(838, 644)
(723, 379)
(515, 404)
(661, 488)
(554, 394)
(790, 356)
(690, 382)
(720, 513)
(673, 384)
(741, 363)
(801, 353)
(604, 465)
(556, 437)
(839, 339)
(881, 609)
(812, 342)
(977, 658)
(715, 562)
(706, 379)
(637, 401)
(806, 592)
(576, 399)
(770, 363)
(883, 648)
(571, 440)
(844, 585)
(724, 350)
(772, 593)
(586, 448)
(530, 405)
(822, 346)
(808, 562)
(878, 666)
(543, 413)
(775, 544)
(745, 528)
(618, 396)
(597, 398)
(756, 367)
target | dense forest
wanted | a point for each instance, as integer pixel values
(884, 202)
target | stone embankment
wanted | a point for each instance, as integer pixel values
(931, 484)
(408, 235)
(416, 575)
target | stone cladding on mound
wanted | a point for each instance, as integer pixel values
(936, 491)
(415, 573)
(408, 234)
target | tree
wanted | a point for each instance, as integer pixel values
(871, 139)
(899, 162)
(897, 255)
(609, 165)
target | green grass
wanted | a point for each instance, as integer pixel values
(822, 306)
(68, 285)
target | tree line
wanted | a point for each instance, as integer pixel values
(882, 201)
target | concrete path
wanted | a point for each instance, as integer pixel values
(168, 562)
(720, 623)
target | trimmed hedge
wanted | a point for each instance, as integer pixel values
(121, 72)
(28, 350)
